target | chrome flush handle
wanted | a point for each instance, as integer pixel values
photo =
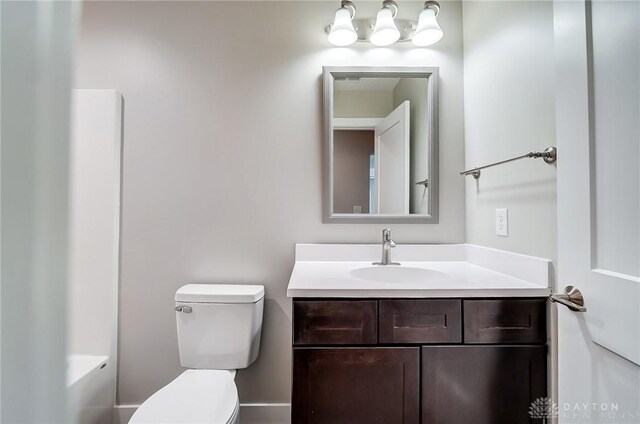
(185, 309)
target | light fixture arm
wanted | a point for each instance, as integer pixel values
(433, 5)
(347, 4)
(391, 4)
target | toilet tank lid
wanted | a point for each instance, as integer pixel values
(220, 293)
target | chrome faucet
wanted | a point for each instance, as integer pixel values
(387, 244)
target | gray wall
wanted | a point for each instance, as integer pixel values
(362, 104)
(222, 159)
(509, 109)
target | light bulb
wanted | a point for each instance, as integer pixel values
(428, 31)
(342, 31)
(385, 31)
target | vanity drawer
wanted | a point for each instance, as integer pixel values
(420, 321)
(505, 321)
(335, 322)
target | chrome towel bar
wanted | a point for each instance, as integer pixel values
(549, 155)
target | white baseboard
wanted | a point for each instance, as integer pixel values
(250, 413)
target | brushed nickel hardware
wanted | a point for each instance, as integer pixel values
(424, 182)
(571, 298)
(549, 155)
(185, 309)
(387, 244)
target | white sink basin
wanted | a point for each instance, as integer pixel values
(398, 274)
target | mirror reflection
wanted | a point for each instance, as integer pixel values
(381, 144)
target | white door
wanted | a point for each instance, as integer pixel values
(598, 138)
(392, 162)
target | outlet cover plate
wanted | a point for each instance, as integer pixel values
(502, 222)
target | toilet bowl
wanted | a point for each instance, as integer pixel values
(219, 328)
(195, 396)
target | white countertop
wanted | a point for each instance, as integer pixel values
(446, 271)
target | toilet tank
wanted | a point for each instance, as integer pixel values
(219, 325)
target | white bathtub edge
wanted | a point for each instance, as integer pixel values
(81, 366)
(90, 388)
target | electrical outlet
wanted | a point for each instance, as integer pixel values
(502, 222)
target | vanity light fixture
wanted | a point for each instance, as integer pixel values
(428, 31)
(385, 31)
(342, 32)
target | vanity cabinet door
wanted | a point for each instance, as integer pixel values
(356, 385)
(335, 322)
(481, 384)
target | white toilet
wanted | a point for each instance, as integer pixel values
(219, 328)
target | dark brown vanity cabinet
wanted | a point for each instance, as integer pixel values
(418, 360)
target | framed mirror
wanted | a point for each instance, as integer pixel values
(380, 144)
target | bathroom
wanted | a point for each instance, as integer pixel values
(219, 109)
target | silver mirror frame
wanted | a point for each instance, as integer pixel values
(328, 75)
